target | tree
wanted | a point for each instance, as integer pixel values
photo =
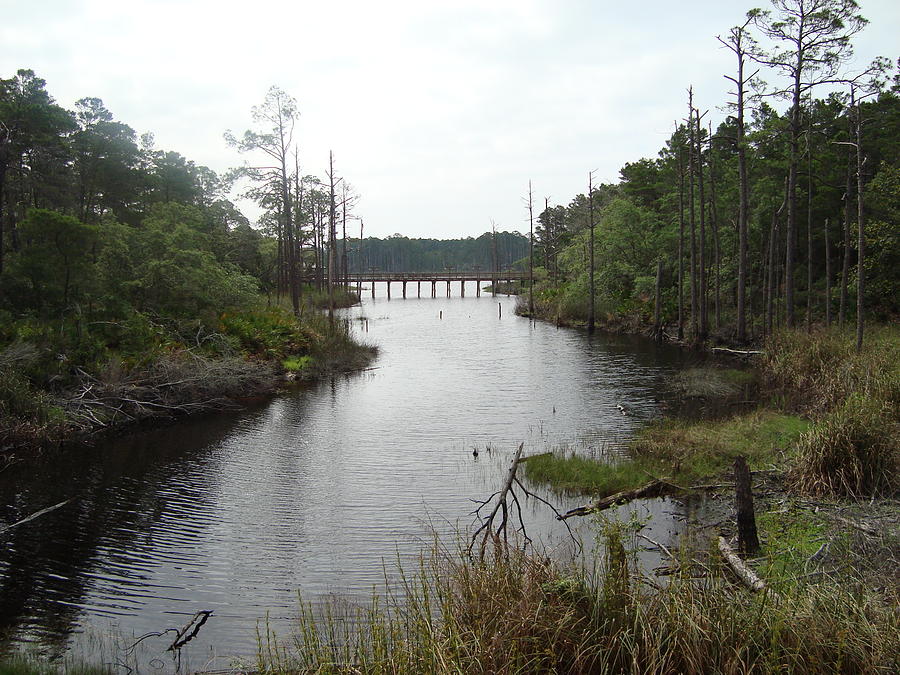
(812, 45)
(739, 42)
(32, 128)
(277, 116)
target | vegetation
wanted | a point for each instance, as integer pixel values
(751, 220)
(683, 452)
(522, 614)
(131, 287)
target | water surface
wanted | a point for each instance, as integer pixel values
(317, 491)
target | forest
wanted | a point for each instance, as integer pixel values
(132, 286)
(783, 214)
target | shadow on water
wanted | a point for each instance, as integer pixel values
(316, 491)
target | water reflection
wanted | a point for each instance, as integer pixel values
(310, 492)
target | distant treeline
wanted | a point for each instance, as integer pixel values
(401, 254)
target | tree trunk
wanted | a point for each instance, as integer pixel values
(680, 241)
(704, 306)
(827, 276)
(591, 310)
(748, 542)
(695, 317)
(860, 222)
(845, 270)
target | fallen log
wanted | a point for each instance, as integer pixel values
(655, 488)
(739, 352)
(855, 524)
(34, 515)
(747, 576)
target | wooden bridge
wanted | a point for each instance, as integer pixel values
(434, 278)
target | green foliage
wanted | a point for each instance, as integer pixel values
(270, 333)
(55, 260)
(294, 364)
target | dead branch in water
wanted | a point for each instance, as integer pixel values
(190, 630)
(34, 515)
(504, 496)
(655, 488)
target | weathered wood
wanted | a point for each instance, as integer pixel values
(190, 630)
(747, 576)
(655, 488)
(739, 352)
(855, 524)
(36, 514)
(748, 541)
(501, 507)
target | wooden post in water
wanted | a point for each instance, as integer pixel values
(389, 288)
(748, 542)
(433, 288)
(419, 287)
(404, 289)
(448, 287)
(462, 288)
(477, 288)
(499, 311)
(373, 288)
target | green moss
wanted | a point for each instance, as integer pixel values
(294, 364)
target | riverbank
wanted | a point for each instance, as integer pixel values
(52, 394)
(829, 561)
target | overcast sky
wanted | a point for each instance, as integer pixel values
(438, 111)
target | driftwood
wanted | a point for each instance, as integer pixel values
(190, 630)
(505, 495)
(747, 576)
(855, 524)
(34, 515)
(739, 352)
(655, 488)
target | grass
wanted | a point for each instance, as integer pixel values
(523, 614)
(852, 449)
(26, 665)
(680, 451)
(703, 449)
(711, 382)
(823, 368)
(571, 472)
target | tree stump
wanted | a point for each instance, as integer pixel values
(748, 542)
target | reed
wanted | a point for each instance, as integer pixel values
(523, 614)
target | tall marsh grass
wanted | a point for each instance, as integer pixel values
(522, 614)
(852, 448)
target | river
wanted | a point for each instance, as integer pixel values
(318, 491)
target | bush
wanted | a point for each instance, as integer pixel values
(851, 451)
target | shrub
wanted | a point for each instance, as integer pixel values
(851, 451)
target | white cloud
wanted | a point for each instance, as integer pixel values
(438, 112)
